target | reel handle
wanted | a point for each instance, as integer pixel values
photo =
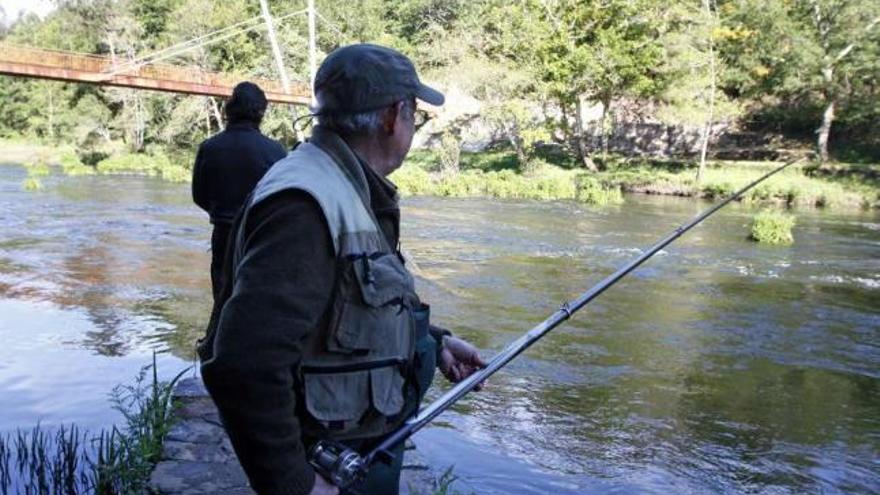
(337, 463)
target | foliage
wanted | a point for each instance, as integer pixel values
(450, 153)
(791, 188)
(794, 58)
(770, 227)
(591, 191)
(32, 184)
(534, 65)
(72, 165)
(522, 129)
(35, 171)
(144, 164)
(72, 461)
(546, 182)
(692, 62)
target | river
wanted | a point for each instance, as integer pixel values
(720, 366)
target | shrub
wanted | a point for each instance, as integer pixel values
(32, 184)
(38, 169)
(412, 180)
(175, 173)
(450, 153)
(718, 190)
(591, 191)
(72, 165)
(129, 163)
(770, 227)
(465, 184)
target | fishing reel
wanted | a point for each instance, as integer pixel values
(337, 463)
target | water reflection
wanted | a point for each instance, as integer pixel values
(703, 372)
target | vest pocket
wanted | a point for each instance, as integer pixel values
(371, 306)
(339, 396)
(386, 385)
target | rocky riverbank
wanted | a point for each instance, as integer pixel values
(198, 458)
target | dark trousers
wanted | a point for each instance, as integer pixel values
(219, 244)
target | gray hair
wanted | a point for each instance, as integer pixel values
(354, 124)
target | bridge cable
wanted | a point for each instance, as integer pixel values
(136, 64)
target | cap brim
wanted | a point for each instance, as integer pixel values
(430, 95)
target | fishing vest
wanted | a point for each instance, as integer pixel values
(354, 372)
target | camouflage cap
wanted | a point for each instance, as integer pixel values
(364, 77)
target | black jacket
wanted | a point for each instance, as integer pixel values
(228, 166)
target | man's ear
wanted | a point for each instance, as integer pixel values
(389, 118)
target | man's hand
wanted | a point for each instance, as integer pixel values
(459, 360)
(323, 487)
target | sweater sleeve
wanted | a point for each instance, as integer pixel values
(280, 293)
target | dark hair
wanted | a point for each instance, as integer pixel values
(247, 103)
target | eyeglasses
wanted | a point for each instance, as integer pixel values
(420, 117)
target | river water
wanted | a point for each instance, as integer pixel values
(720, 366)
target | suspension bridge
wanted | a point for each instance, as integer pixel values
(148, 73)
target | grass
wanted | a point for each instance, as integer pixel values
(795, 187)
(554, 176)
(153, 165)
(483, 177)
(495, 174)
(441, 485)
(36, 170)
(32, 184)
(770, 227)
(71, 461)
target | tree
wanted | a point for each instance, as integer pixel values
(695, 100)
(574, 50)
(803, 54)
(833, 22)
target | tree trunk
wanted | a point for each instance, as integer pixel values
(580, 141)
(824, 131)
(51, 114)
(215, 108)
(521, 155)
(713, 82)
(140, 122)
(606, 103)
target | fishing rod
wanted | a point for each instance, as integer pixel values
(344, 467)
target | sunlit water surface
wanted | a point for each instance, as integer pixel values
(720, 366)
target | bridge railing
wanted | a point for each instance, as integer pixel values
(101, 68)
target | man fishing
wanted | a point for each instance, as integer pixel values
(229, 165)
(320, 335)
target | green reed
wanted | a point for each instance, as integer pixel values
(70, 461)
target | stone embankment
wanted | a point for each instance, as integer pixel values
(198, 458)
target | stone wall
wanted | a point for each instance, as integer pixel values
(633, 130)
(198, 458)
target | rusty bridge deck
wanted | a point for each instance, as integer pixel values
(17, 60)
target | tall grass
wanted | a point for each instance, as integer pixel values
(544, 183)
(795, 187)
(152, 165)
(770, 227)
(36, 170)
(114, 461)
(441, 485)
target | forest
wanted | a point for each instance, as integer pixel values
(803, 72)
